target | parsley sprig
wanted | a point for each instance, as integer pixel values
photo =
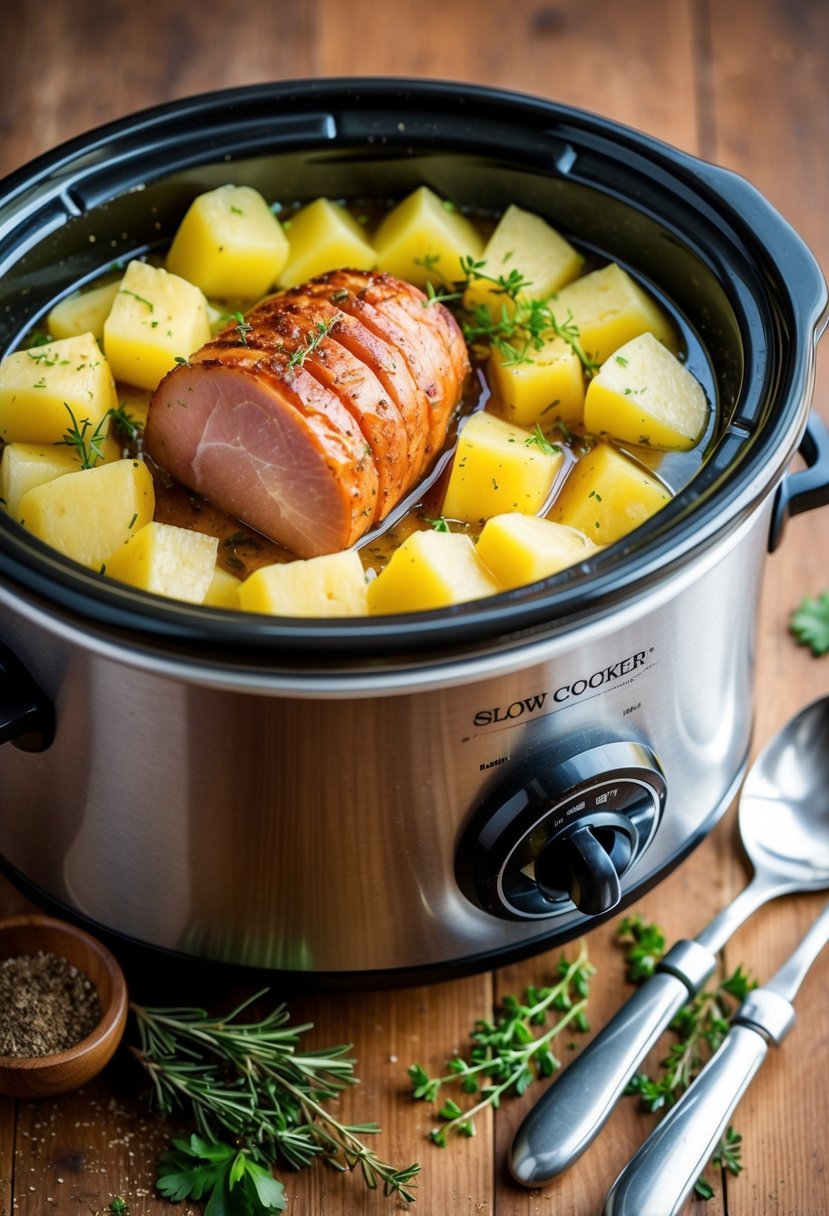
(508, 1053)
(246, 1082)
(700, 1028)
(232, 1180)
(810, 623)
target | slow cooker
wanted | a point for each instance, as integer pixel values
(431, 792)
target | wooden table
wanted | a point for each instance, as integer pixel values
(745, 84)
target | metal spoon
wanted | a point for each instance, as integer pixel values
(784, 827)
(659, 1178)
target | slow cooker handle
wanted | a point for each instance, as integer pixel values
(809, 487)
(27, 718)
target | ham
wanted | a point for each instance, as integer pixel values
(314, 420)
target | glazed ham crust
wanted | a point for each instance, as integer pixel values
(314, 419)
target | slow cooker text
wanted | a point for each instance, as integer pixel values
(531, 705)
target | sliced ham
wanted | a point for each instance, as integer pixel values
(313, 421)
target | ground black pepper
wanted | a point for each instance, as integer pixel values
(46, 1005)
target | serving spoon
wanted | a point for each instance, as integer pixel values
(784, 828)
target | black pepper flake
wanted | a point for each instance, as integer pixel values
(47, 1005)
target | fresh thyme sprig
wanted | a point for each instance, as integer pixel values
(88, 448)
(522, 324)
(242, 328)
(508, 1054)
(246, 1082)
(321, 330)
(700, 1028)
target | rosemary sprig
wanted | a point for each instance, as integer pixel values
(89, 450)
(245, 1081)
(700, 1028)
(507, 1053)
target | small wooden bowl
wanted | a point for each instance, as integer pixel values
(42, 1076)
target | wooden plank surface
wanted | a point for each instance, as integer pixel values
(745, 84)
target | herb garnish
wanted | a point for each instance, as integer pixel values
(88, 450)
(810, 623)
(523, 324)
(321, 330)
(242, 328)
(125, 291)
(236, 1185)
(700, 1027)
(246, 1083)
(539, 439)
(507, 1052)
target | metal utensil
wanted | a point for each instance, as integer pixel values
(784, 827)
(658, 1179)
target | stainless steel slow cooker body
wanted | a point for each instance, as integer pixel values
(430, 792)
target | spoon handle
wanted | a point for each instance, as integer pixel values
(574, 1109)
(659, 1177)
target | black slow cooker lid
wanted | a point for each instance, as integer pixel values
(697, 233)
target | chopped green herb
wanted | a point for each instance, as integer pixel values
(125, 291)
(184, 362)
(539, 439)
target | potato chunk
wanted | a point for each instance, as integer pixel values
(83, 313)
(423, 240)
(167, 560)
(230, 244)
(324, 236)
(497, 468)
(26, 465)
(547, 388)
(88, 514)
(156, 319)
(526, 244)
(332, 585)
(643, 394)
(430, 570)
(522, 549)
(223, 591)
(39, 386)
(606, 495)
(609, 308)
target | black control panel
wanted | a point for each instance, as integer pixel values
(558, 830)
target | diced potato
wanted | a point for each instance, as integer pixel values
(223, 591)
(423, 240)
(498, 468)
(26, 465)
(332, 585)
(230, 244)
(525, 243)
(86, 515)
(643, 394)
(167, 560)
(324, 236)
(606, 495)
(608, 308)
(157, 318)
(522, 549)
(83, 313)
(546, 389)
(430, 570)
(38, 388)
